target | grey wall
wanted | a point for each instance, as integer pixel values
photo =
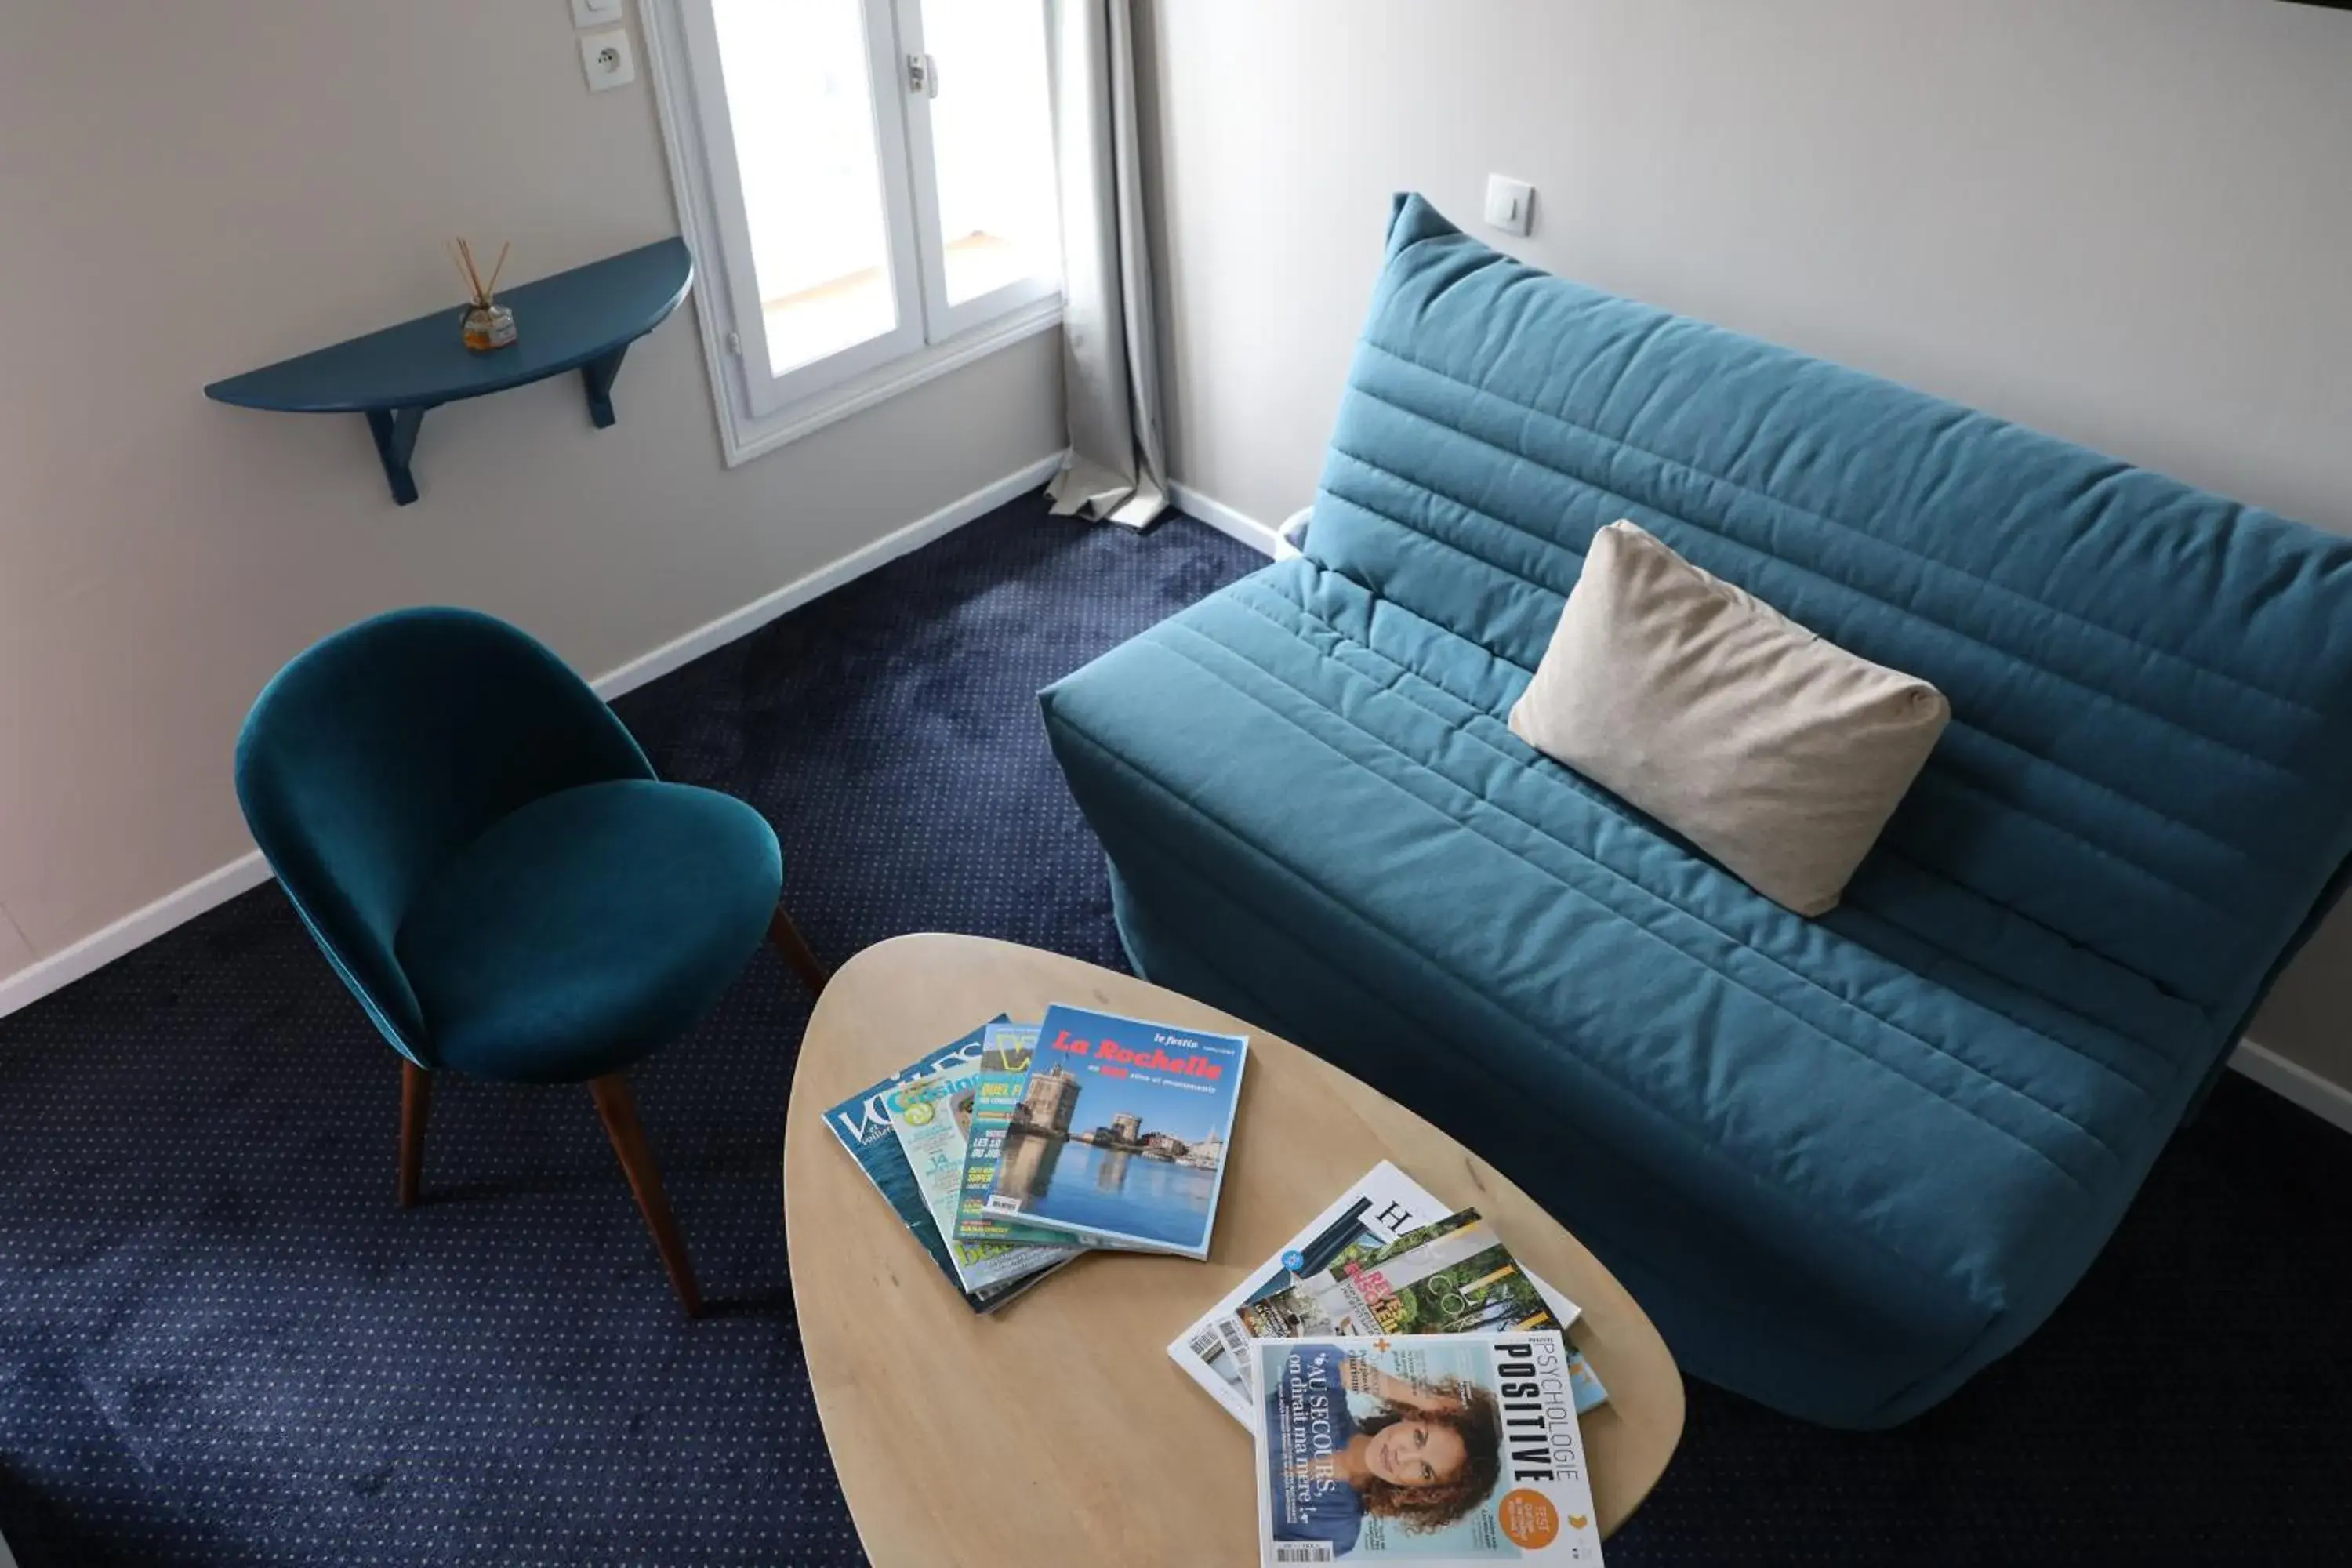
(2123, 221)
(191, 191)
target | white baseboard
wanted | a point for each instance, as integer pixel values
(248, 870)
(824, 579)
(1260, 537)
(138, 928)
(2331, 1102)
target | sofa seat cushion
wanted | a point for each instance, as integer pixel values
(588, 928)
(1717, 1097)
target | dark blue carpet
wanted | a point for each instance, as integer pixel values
(221, 1343)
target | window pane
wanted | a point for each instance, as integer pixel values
(992, 133)
(803, 110)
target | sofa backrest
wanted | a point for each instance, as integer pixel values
(2151, 748)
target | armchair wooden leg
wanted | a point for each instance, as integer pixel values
(619, 1112)
(415, 1106)
(789, 942)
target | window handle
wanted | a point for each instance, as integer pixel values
(923, 75)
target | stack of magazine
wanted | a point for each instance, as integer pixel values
(1012, 1150)
(1411, 1386)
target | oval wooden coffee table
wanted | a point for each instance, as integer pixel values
(1058, 1431)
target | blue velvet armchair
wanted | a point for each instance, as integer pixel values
(487, 860)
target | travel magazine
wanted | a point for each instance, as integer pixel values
(1408, 1390)
(1120, 1131)
(862, 1123)
(1435, 1449)
(930, 1115)
(1372, 1231)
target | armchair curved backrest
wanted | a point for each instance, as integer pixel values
(374, 756)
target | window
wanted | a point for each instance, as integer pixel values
(868, 187)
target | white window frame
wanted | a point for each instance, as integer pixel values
(924, 165)
(759, 411)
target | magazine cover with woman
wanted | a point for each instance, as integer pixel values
(1432, 1449)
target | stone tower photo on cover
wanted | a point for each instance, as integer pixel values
(1048, 1102)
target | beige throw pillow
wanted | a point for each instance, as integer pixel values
(1780, 755)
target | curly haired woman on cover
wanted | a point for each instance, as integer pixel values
(1420, 1457)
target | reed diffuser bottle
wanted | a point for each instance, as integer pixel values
(486, 324)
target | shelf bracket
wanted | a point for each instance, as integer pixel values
(598, 374)
(394, 430)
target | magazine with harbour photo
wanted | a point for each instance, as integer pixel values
(1121, 1131)
(1375, 1214)
(1435, 1449)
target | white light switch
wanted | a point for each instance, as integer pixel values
(607, 59)
(1509, 203)
(595, 13)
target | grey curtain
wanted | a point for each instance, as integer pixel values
(1115, 469)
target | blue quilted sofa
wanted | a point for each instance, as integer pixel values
(1843, 1162)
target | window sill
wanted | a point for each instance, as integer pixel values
(742, 439)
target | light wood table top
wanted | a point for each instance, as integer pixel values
(1058, 1431)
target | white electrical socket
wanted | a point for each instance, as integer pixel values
(595, 13)
(608, 59)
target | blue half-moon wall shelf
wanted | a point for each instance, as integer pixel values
(583, 319)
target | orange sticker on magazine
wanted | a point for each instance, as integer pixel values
(1528, 1519)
